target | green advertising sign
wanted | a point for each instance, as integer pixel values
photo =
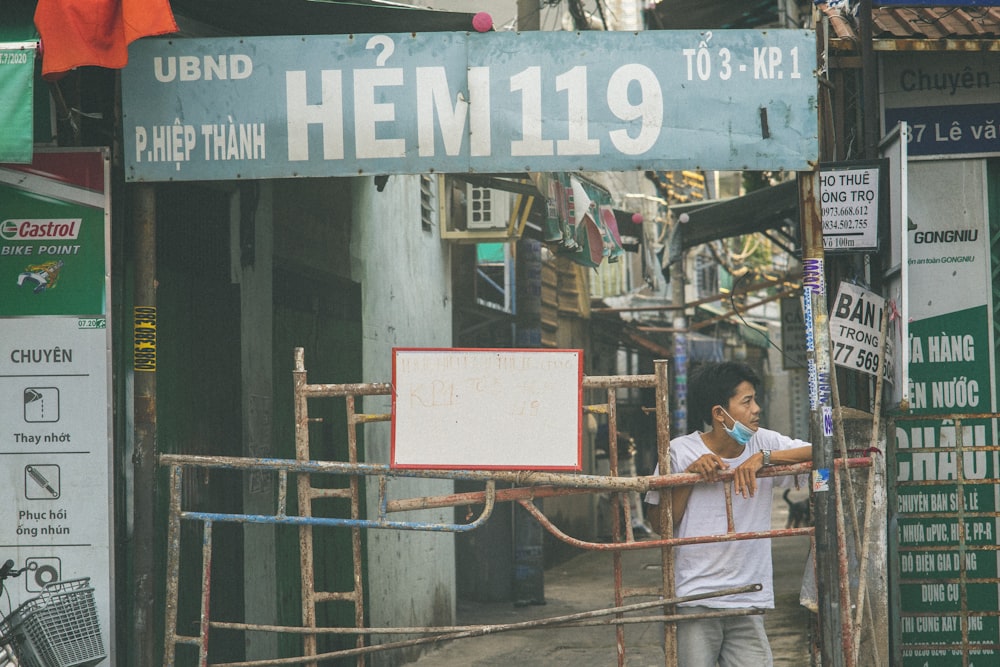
(946, 468)
(979, 564)
(51, 252)
(949, 366)
(947, 629)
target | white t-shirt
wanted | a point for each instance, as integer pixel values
(703, 568)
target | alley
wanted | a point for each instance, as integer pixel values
(585, 583)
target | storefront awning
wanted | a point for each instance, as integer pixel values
(18, 45)
(769, 209)
(752, 333)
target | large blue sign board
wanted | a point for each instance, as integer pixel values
(970, 129)
(344, 105)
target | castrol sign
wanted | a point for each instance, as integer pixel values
(61, 229)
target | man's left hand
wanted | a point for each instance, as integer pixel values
(745, 475)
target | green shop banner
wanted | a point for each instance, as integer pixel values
(945, 495)
(52, 254)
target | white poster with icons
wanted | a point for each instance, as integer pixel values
(56, 490)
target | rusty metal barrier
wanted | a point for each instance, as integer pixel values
(529, 485)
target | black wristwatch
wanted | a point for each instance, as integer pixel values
(766, 454)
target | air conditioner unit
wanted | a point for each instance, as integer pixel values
(486, 208)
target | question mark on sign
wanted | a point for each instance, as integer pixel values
(388, 47)
(706, 40)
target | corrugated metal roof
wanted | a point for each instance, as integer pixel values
(918, 23)
(841, 23)
(936, 22)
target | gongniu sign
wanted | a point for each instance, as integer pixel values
(341, 105)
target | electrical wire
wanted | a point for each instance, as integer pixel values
(736, 311)
(600, 12)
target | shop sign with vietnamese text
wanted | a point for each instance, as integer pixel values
(851, 198)
(949, 101)
(344, 105)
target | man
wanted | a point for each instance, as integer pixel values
(724, 397)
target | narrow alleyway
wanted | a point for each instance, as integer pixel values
(585, 583)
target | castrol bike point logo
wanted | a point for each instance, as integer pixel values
(60, 229)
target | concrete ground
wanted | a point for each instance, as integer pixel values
(585, 583)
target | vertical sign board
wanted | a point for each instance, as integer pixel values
(55, 368)
(487, 409)
(17, 78)
(942, 533)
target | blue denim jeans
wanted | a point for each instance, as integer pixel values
(732, 641)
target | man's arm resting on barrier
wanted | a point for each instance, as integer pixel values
(744, 478)
(745, 474)
(708, 467)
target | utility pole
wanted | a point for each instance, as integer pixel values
(528, 15)
(144, 457)
(831, 607)
(528, 535)
(676, 250)
(869, 83)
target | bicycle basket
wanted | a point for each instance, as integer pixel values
(59, 628)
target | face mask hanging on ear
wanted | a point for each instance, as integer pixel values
(739, 432)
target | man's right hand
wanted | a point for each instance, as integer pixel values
(708, 466)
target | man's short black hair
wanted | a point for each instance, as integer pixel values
(714, 384)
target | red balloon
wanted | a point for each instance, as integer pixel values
(482, 22)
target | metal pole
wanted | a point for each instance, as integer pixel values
(666, 527)
(144, 463)
(304, 489)
(680, 425)
(528, 15)
(820, 403)
(869, 82)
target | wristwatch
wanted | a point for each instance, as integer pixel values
(766, 454)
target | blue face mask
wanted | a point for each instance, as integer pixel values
(739, 432)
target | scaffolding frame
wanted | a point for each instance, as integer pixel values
(528, 486)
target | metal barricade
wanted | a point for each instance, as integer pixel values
(527, 486)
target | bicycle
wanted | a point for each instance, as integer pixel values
(58, 628)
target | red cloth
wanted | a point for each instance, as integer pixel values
(96, 32)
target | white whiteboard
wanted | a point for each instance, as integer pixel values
(487, 408)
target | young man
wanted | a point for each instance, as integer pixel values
(724, 396)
